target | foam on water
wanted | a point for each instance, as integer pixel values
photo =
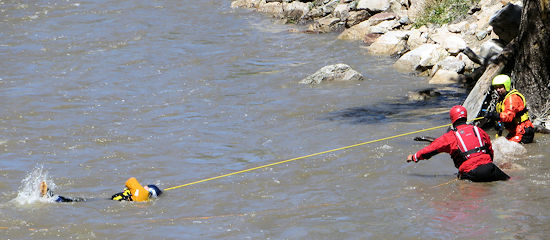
(29, 190)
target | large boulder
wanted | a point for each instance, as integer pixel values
(450, 64)
(390, 43)
(314, 13)
(485, 13)
(444, 77)
(355, 17)
(342, 11)
(457, 27)
(381, 17)
(505, 22)
(327, 24)
(374, 5)
(490, 49)
(356, 32)
(336, 72)
(418, 37)
(273, 8)
(447, 70)
(469, 65)
(451, 42)
(296, 10)
(329, 6)
(385, 26)
(370, 38)
(420, 58)
(245, 3)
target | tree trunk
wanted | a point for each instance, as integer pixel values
(474, 101)
(531, 71)
(477, 95)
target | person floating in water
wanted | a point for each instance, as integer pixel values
(469, 146)
(133, 192)
(137, 193)
(45, 192)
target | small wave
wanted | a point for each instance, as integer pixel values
(29, 191)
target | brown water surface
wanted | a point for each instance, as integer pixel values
(172, 92)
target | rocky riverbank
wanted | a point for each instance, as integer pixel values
(447, 54)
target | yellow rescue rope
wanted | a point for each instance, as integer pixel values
(311, 155)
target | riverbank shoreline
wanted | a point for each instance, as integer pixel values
(442, 53)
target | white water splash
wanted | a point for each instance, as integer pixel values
(506, 152)
(29, 191)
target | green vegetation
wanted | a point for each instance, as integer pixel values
(441, 12)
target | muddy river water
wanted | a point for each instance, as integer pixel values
(172, 92)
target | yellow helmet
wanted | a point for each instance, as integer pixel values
(503, 79)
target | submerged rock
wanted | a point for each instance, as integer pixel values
(423, 94)
(336, 72)
(443, 76)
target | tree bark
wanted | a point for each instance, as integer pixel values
(531, 71)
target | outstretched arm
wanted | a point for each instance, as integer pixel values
(440, 144)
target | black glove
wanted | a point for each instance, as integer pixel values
(492, 116)
(499, 127)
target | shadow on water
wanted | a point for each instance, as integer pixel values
(432, 175)
(398, 110)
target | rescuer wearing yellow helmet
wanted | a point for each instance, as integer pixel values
(511, 111)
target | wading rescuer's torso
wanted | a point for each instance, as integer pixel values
(468, 146)
(513, 113)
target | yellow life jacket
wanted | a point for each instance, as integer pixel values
(522, 115)
(139, 194)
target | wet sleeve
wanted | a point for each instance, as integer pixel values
(512, 105)
(440, 144)
(139, 194)
(67, 199)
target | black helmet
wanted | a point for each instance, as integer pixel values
(154, 190)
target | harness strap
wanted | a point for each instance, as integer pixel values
(466, 153)
(461, 141)
(475, 150)
(476, 130)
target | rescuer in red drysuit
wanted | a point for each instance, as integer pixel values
(469, 147)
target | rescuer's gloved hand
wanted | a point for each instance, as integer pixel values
(411, 158)
(499, 128)
(492, 116)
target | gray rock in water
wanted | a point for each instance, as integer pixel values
(336, 72)
(423, 94)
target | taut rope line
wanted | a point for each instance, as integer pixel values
(312, 155)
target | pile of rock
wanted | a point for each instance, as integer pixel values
(386, 26)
